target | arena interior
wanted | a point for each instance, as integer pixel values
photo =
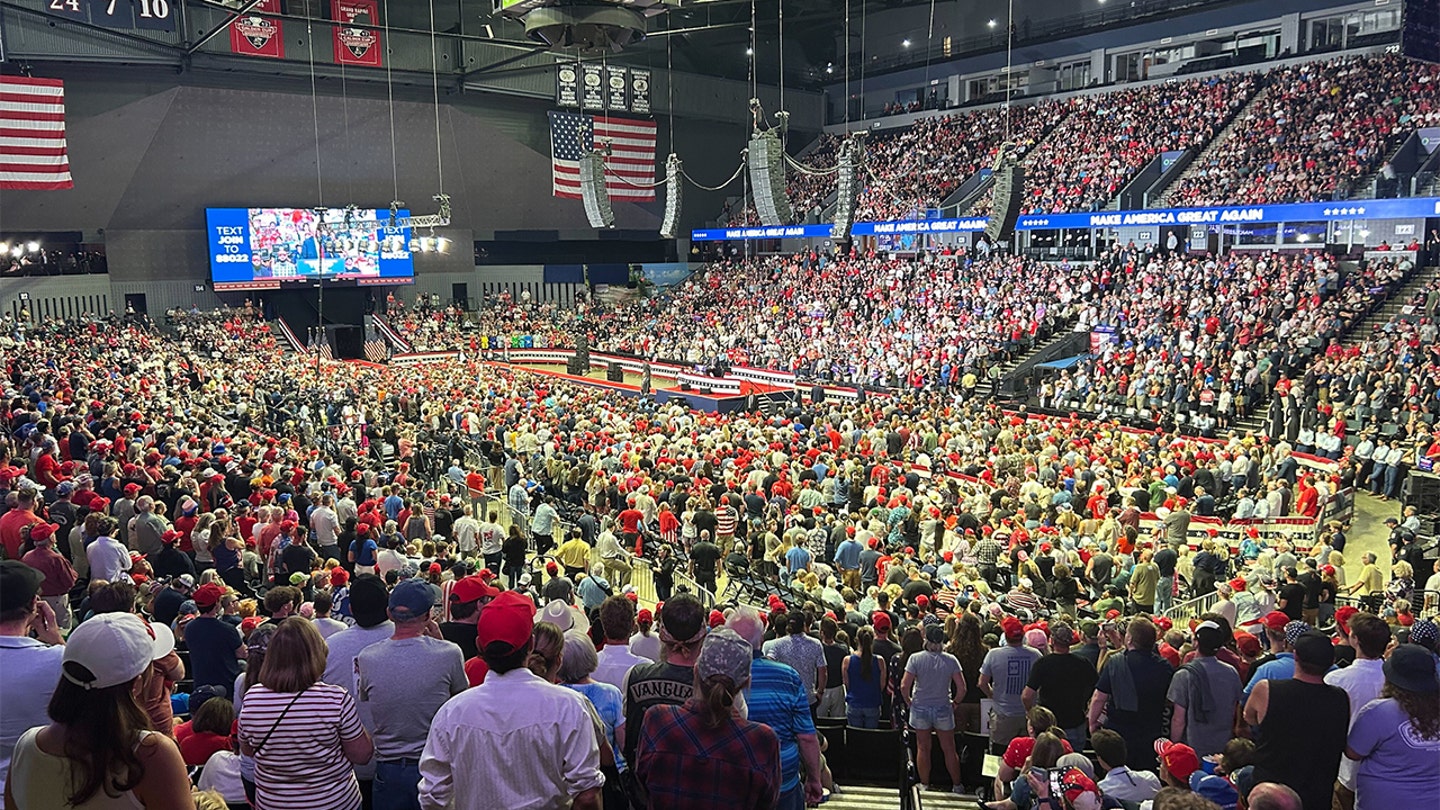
(655, 404)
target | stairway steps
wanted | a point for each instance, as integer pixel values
(1215, 142)
(864, 797)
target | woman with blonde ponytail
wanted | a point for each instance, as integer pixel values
(703, 746)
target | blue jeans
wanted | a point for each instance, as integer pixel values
(397, 785)
(1164, 594)
(792, 799)
(862, 717)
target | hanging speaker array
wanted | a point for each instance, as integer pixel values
(670, 224)
(594, 193)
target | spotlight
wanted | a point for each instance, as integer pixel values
(4, 247)
(18, 251)
(991, 23)
(830, 68)
(442, 244)
(749, 51)
(415, 245)
(33, 247)
(904, 43)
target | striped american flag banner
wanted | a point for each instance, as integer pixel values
(631, 160)
(32, 134)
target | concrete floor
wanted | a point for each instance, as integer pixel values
(1369, 533)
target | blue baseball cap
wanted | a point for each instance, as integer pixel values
(1215, 788)
(412, 599)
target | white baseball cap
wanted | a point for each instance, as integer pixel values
(116, 648)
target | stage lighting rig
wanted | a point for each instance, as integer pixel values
(587, 26)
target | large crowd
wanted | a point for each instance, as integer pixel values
(239, 578)
(1318, 128)
(321, 544)
(1105, 139)
(1215, 339)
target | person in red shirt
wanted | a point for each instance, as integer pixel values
(630, 523)
(60, 576)
(14, 522)
(207, 732)
(49, 470)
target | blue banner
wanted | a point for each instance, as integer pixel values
(1343, 210)
(1167, 159)
(762, 232)
(920, 226)
(1414, 208)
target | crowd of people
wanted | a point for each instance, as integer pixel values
(1213, 339)
(1320, 127)
(347, 636)
(1105, 139)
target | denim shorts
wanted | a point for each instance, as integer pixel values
(923, 718)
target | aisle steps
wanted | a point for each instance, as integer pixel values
(888, 798)
(1203, 158)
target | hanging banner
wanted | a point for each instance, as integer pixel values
(592, 89)
(567, 84)
(355, 45)
(254, 35)
(640, 91)
(617, 89)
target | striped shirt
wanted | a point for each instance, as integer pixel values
(725, 519)
(301, 766)
(776, 697)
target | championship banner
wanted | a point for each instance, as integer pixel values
(640, 91)
(355, 45)
(254, 35)
(617, 89)
(567, 84)
(592, 88)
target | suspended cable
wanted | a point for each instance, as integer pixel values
(780, 45)
(315, 113)
(704, 187)
(750, 53)
(847, 67)
(863, 20)
(345, 116)
(1009, 52)
(390, 94)
(929, 48)
(670, 81)
(435, 87)
(627, 181)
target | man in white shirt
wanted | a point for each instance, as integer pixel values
(1120, 782)
(492, 539)
(109, 559)
(617, 619)
(534, 742)
(326, 524)
(467, 532)
(1362, 681)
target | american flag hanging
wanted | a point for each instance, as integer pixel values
(32, 134)
(631, 160)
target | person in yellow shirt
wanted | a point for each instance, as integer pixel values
(1370, 583)
(574, 554)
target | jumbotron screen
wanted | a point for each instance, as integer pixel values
(268, 248)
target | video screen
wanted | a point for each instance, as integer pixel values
(266, 248)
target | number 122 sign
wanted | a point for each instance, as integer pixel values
(154, 15)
